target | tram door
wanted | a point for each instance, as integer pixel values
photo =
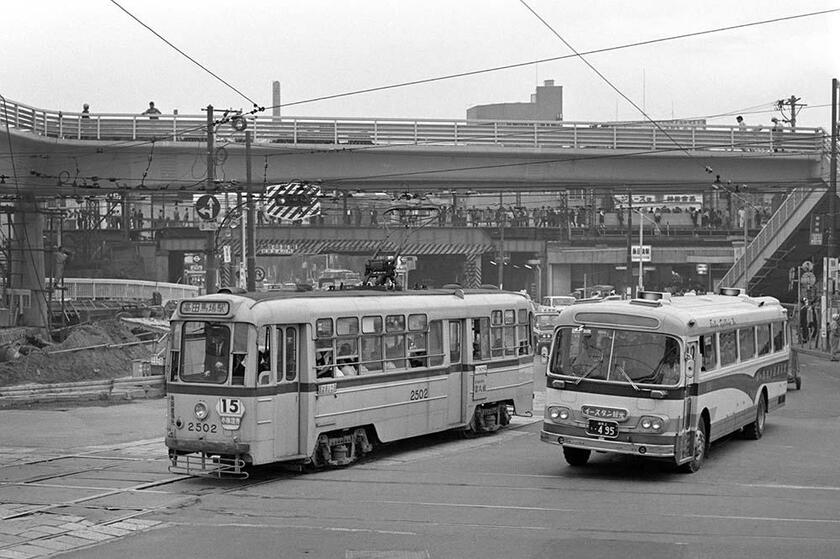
(456, 378)
(287, 400)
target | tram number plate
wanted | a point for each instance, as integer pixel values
(606, 429)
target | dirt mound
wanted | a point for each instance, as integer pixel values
(95, 351)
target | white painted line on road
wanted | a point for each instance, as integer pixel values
(783, 486)
(765, 518)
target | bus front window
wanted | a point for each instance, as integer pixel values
(617, 355)
(205, 352)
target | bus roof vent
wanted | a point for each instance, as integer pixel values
(731, 291)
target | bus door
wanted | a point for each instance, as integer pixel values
(287, 401)
(684, 446)
(455, 383)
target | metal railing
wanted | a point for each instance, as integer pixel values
(125, 290)
(665, 136)
(771, 235)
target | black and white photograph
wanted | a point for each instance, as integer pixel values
(419, 279)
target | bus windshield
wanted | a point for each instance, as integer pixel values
(620, 356)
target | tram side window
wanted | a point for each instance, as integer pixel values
(435, 343)
(496, 333)
(523, 332)
(728, 348)
(481, 338)
(510, 332)
(395, 341)
(778, 329)
(371, 354)
(454, 341)
(240, 352)
(324, 352)
(264, 369)
(371, 361)
(709, 346)
(763, 339)
(347, 328)
(746, 343)
(417, 349)
(291, 354)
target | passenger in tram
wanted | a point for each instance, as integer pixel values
(345, 366)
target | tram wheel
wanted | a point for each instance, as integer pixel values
(576, 456)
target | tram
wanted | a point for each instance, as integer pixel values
(662, 377)
(318, 378)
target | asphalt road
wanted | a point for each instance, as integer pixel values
(102, 471)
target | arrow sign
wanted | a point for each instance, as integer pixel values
(207, 207)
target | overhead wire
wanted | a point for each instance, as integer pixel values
(182, 53)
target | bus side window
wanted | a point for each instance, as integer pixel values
(709, 352)
(291, 354)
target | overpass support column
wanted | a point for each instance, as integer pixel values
(27, 262)
(472, 271)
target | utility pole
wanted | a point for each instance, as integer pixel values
(501, 258)
(794, 109)
(251, 255)
(630, 240)
(210, 245)
(832, 186)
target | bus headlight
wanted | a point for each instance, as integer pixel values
(651, 423)
(200, 411)
(558, 413)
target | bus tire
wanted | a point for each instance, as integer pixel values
(576, 456)
(755, 430)
(700, 446)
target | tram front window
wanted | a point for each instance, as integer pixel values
(620, 356)
(205, 352)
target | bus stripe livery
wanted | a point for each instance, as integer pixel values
(318, 378)
(663, 377)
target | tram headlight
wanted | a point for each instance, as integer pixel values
(200, 410)
(651, 423)
(559, 413)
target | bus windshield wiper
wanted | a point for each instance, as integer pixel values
(621, 370)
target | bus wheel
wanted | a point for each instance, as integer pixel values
(755, 430)
(576, 456)
(699, 453)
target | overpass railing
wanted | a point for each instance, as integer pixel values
(126, 290)
(665, 136)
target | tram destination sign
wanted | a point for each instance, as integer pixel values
(205, 307)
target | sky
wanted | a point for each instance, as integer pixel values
(58, 55)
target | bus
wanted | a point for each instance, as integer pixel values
(319, 378)
(663, 377)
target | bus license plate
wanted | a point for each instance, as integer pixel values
(606, 429)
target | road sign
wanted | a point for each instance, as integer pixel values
(259, 273)
(808, 279)
(226, 254)
(293, 201)
(640, 253)
(702, 269)
(207, 207)
(211, 225)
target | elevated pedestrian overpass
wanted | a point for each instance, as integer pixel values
(54, 153)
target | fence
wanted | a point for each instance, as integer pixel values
(662, 136)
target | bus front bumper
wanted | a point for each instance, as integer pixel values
(605, 445)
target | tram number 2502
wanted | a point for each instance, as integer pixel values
(419, 393)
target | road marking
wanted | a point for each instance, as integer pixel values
(765, 518)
